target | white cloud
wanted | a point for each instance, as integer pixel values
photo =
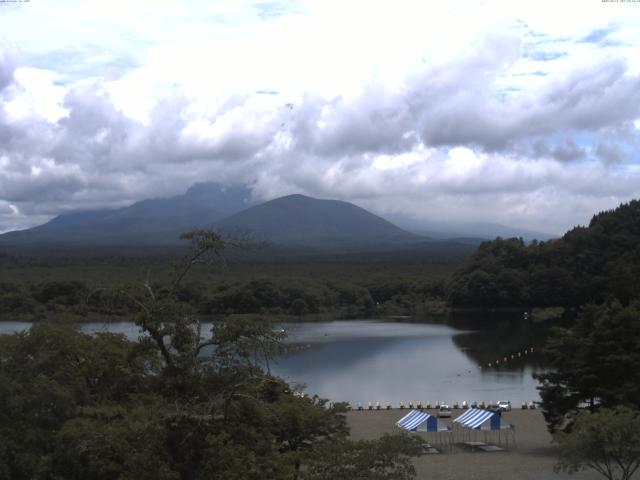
(506, 111)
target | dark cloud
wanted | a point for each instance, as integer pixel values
(609, 153)
(464, 111)
(566, 150)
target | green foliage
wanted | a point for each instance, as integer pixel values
(312, 290)
(386, 458)
(586, 265)
(290, 296)
(607, 441)
(595, 362)
(47, 375)
(179, 403)
(62, 292)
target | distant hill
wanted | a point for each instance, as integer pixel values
(291, 226)
(148, 222)
(588, 264)
(324, 224)
(472, 231)
(302, 225)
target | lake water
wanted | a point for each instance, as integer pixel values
(386, 361)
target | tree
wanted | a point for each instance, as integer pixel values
(48, 377)
(607, 441)
(178, 404)
(595, 363)
(388, 458)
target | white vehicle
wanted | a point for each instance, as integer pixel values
(444, 411)
(504, 405)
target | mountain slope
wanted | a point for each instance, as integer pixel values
(148, 222)
(297, 219)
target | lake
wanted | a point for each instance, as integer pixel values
(363, 361)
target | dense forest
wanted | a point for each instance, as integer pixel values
(588, 264)
(159, 402)
(35, 288)
(75, 406)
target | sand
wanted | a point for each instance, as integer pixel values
(532, 457)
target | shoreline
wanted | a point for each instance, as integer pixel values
(532, 458)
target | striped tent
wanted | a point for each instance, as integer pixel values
(474, 418)
(415, 418)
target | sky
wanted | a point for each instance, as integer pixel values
(525, 113)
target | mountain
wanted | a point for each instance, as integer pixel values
(474, 231)
(323, 224)
(294, 225)
(156, 221)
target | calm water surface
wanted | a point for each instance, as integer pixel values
(381, 361)
(375, 361)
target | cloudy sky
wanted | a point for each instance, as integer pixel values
(525, 113)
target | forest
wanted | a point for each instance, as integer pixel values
(591, 264)
(76, 406)
(160, 402)
(35, 288)
(596, 263)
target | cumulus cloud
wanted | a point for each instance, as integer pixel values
(463, 137)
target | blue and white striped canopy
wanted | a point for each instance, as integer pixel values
(412, 420)
(474, 418)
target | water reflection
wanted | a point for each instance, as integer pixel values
(498, 336)
(390, 362)
(382, 361)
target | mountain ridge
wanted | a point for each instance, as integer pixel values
(299, 222)
(305, 220)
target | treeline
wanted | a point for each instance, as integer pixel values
(266, 295)
(587, 265)
(75, 406)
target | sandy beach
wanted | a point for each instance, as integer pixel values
(533, 456)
